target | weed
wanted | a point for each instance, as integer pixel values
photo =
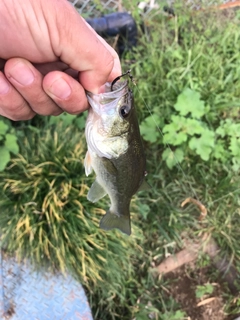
(8, 142)
(206, 289)
(192, 89)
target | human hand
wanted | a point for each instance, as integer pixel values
(49, 56)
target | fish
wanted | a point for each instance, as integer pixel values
(115, 152)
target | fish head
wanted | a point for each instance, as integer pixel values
(109, 120)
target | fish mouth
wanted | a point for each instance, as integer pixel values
(108, 100)
(114, 89)
(109, 95)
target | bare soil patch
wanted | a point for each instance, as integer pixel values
(184, 284)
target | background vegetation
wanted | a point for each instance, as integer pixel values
(187, 94)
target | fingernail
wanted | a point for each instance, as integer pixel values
(22, 74)
(60, 89)
(4, 86)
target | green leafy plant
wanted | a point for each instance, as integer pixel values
(8, 143)
(149, 128)
(67, 119)
(178, 315)
(187, 129)
(191, 89)
(206, 289)
(228, 140)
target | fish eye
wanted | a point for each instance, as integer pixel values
(125, 110)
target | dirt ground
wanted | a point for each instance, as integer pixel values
(184, 282)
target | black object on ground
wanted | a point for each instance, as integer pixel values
(119, 23)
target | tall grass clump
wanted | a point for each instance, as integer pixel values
(46, 217)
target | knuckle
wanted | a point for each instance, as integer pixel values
(18, 111)
(75, 106)
(22, 117)
(109, 63)
(43, 105)
(16, 108)
(57, 112)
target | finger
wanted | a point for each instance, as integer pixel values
(27, 80)
(66, 92)
(116, 70)
(45, 68)
(12, 104)
(85, 76)
(79, 46)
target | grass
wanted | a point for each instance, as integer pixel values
(46, 217)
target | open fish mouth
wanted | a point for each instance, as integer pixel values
(113, 90)
(120, 89)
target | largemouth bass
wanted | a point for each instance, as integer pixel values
(115, 152)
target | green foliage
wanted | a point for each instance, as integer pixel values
(191, 87)
(201, 291)
(8, 142)
(173, 158)
(178, 315)
(233, 305)
(204, 144)
(229, 137)
(189, 102)
(67, 119)
(188, 129)
(149, 129)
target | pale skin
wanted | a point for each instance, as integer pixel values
(49, 56)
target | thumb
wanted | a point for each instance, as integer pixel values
(79, 46)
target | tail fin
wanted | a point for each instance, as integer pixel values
(110, 221)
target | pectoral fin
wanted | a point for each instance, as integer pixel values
(109, 166)
(111, 221)
(96, 192)
(144, 186)
(88, 164)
